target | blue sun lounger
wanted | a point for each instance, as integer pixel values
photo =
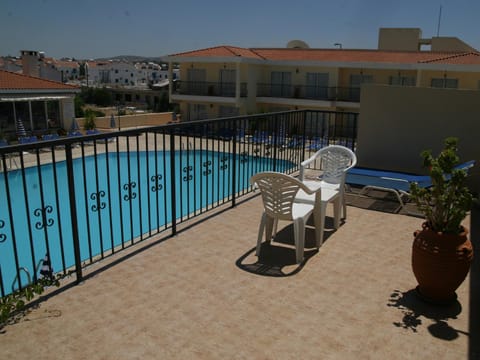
(397, 183)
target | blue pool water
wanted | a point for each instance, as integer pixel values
(119, 197)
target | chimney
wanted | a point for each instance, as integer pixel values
(30, 63)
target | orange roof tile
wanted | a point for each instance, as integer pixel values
(14, 81)
(221, 51)
(338, 55)
(470, 58)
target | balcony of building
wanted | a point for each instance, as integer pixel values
(200, 89)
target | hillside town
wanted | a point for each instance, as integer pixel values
(117, 72)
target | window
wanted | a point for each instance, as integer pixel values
(317, 86)
(356, 80)
(281, 83)
(227, 82)
(403, 80)
(196, 81)
(446, 83)
(197, 112)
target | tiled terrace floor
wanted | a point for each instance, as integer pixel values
(204, 295)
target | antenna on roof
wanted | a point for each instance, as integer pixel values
(439, 20)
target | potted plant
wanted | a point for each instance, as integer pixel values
(441, 251)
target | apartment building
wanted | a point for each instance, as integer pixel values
(226, 80)
(126, 74)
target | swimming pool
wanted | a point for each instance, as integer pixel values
(119, 197)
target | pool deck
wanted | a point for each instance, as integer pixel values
(203, 294)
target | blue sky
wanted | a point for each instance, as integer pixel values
(104, 28)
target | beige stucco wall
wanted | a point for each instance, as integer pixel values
(397, 123)
(129, 121)
(450, 44)
(399, 39)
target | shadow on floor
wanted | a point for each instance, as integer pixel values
(374, 200)
(414, 309)
(278, 258)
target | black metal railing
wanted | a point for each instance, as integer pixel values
(327, 93)
(80, 199)
(203, 88)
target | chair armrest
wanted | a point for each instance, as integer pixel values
(304, 164)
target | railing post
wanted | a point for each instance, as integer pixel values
(172, 183)
(276, 135)
(234, 164)
(73, 213)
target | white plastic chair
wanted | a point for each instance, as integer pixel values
(279, 192)
(333, 161)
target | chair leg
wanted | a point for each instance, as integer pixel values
(337, 208)
(344, 205)
(299, 236)
(260, 233)
(275, 228)
(319, 218)
(270, 226)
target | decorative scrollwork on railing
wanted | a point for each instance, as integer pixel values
(224, 165)
(99, 205)
(243, 157)
(131, 194)
(156, 183)
(207, 170)
(187, 170)
(3, 237)
(43, 213)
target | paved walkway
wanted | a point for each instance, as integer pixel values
(204, 295)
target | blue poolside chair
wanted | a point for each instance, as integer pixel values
(240, 134)
(295, 142)
(92, 132)
(317, 143)
(277, 139)
(397, 183)
(74, 134)
(27, 139)
(48, 137)
(96, 132)
(260, 137)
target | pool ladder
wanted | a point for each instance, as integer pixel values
(29, 277)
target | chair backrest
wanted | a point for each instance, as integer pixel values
(335, 161)
(278, 193)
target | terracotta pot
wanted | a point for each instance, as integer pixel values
(440, 263)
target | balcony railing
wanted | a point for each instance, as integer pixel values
(350, 94)
(81, 199)
(203, 88)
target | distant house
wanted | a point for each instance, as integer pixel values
(40, 104)
(119, 74)
(69, 69)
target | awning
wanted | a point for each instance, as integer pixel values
(33, 98)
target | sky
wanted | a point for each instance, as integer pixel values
(89, 29)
